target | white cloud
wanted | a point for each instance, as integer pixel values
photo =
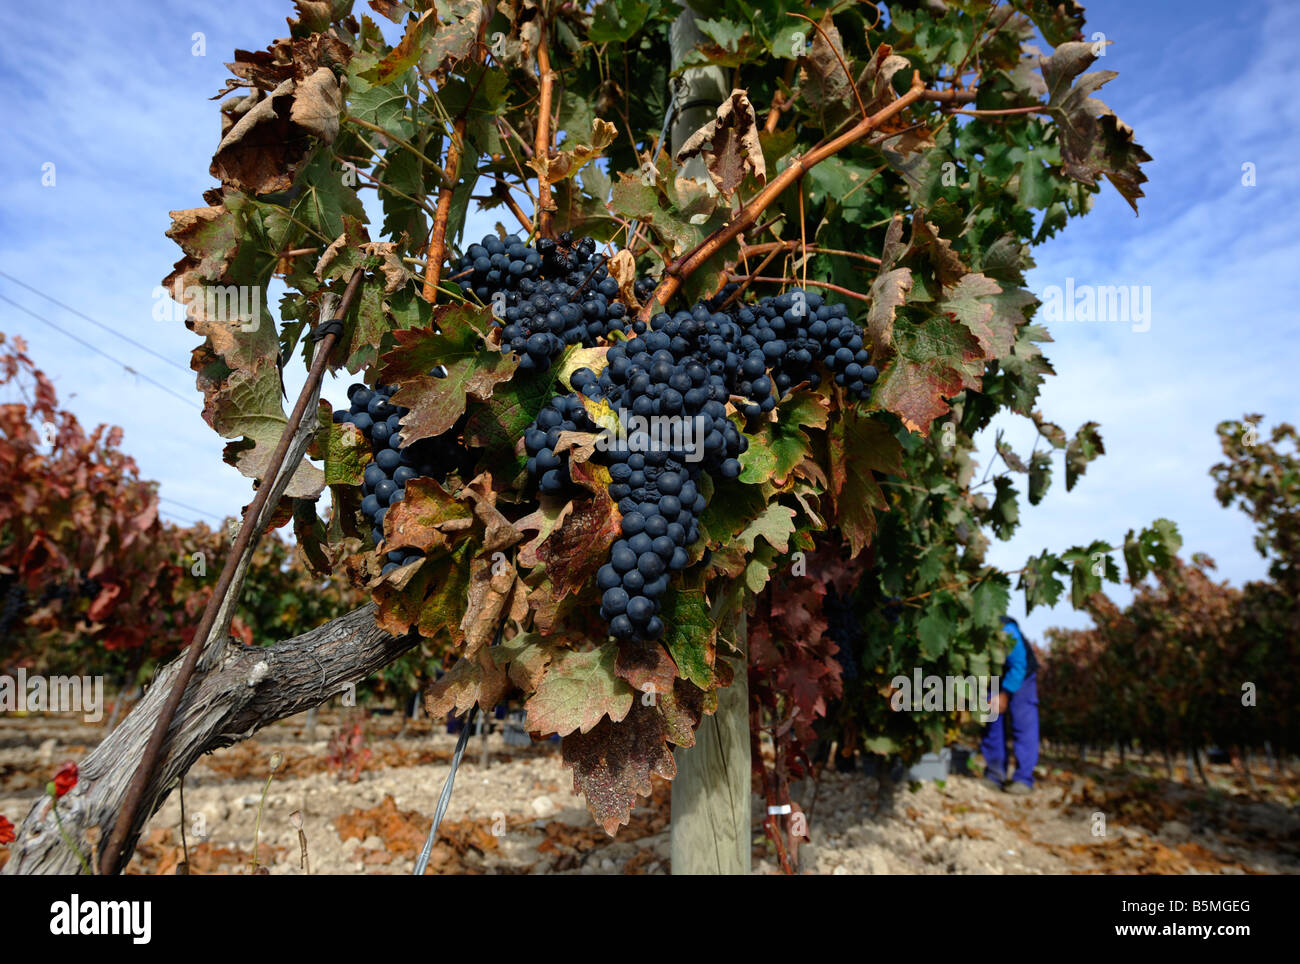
(1223, 262)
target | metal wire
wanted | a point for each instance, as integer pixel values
(423, 863)
(445, 797)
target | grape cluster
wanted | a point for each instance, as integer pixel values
(544, 298)
(680, 370)
(394, 463)
(842, 628)
(796, 332)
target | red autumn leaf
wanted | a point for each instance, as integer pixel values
(7, 835)
(103, 604)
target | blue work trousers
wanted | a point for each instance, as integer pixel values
(1022, 711)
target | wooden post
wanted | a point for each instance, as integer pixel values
(711, 793)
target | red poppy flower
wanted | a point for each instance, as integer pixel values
(65, 779)
(6, 831)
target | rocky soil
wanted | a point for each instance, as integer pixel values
(364, 803)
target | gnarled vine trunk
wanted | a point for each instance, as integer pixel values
(243, 691)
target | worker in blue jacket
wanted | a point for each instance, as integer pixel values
(1018, 700)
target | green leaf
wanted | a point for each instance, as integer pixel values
(250, 406)
(578, 691)
(407, 52)
(347, 451)
(1005, 514)
(1040, 581)
(1084, 447)
(690, 635)
(731, 508)
(384, 105)
(616, 21)
(1040, 476)
(526, 655)
(775, 524)
(1088, 568)
(935, 630)
(496, 425)
(989, 600)
(474, 369)
(778, 447)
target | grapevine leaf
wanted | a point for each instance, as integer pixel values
(526, 658)
(1058, 20)
(1040, 581)
(1093, 140)
(346, 450)
(989, 601)
(888, 291)
(1005, 514)
(731, 508)
(474, 369)
(729, 144)
(578, 691)
(935, 630)
(775, 524)
(250, 406)
(407, 52)
(616, 21)
(1027, 366)
(565, 164)
(1088, 568)
(573, 552)
(647, 668)
(488, 595)
(428, 518)
(1040, 476)
(456, 691)
(496, 425)
(681, 707)
(860, 446)
(991, 312)
(690, 635)
(779, 446)
(937, 358)
(456, 36)
(612, 765)
(1083, 448)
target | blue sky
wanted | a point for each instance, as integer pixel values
(119, 104)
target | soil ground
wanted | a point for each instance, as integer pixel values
(365, 805)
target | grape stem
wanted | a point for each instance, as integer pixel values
(756, 249)
(542, 143)
(436, 252)
(502, 193)
(795, 281)
(685, 266)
